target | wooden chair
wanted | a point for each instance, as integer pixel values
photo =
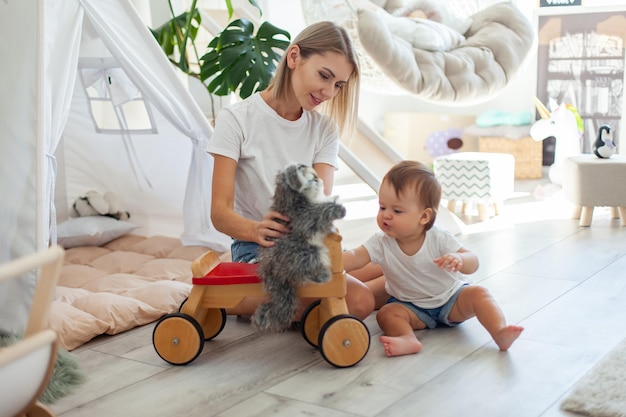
(26, 366)
(342, 339)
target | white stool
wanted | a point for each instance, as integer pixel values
(589, 181)
(475, 177)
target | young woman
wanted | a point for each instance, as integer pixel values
(312, 99)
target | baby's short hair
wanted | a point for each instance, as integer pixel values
(413, 176)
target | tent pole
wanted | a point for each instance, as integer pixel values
(40, 145)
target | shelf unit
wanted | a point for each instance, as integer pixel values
(581, 61)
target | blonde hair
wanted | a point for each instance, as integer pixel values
(406, 174)
(319, 38)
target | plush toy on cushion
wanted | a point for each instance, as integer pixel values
(299, 256)
(95, 204)
(432, 10)
(424, 24)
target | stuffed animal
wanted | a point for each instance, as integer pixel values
(564, 123)
(429, 9)
(424, 24)
(95, 204)
(300, 255)
(604, 147)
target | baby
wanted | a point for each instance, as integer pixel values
(423, 266)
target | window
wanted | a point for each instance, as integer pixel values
(116, 104)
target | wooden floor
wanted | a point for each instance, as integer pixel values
(565, 284)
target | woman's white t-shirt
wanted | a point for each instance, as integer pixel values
(262, 143)
(416, 278)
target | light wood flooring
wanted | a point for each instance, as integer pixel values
(565, 284)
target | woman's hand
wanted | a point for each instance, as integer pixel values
(270, 228)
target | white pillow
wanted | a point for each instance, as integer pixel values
(91, 231)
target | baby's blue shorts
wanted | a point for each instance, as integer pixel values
(432, 316)
(245, 252)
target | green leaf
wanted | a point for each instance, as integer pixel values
(255, 4)
(229, 7)
(237, 60)
(173, 36)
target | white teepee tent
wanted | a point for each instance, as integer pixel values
(66, 63)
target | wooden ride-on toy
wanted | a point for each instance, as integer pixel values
(342, 339)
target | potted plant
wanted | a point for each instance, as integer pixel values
(237, 60)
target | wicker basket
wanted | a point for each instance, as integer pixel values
(527, 153)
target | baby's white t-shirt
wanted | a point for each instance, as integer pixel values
(416, 278)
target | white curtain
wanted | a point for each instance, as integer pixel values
(58, 79)
(131, 43)
(36, 87)
(38, 78)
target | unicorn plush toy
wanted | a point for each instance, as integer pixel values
(564, 124)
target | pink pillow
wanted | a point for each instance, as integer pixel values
(162, 295)
(119, 312)
(117, 283)
(124, 242)
(127, 262)
(82, 255)
(170, 269)
(157, 246)
(75, 276)
(67, 294)
(74, 327)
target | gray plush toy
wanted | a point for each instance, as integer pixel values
(300, 255)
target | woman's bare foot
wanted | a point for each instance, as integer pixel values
(506, 336)
(400, 345)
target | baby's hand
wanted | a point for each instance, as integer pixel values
(452, 262)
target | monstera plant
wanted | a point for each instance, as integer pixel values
(236, 60)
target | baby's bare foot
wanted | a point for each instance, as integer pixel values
(506, 336)
(400, 345)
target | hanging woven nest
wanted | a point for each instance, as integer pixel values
(492, 48)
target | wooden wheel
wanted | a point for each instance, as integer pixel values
(178, 338)
(310, 328)
(344, 341)
(180, 308)
(213, 323)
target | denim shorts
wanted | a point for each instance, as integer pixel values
(245, 252)
(432, 316)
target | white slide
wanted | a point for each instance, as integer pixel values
(370, 156)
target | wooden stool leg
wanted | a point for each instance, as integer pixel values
(614, 213)
(622, 215)
(497, 207)
(576, 212)
(585, 216)
(482, 211)
(452, 205)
